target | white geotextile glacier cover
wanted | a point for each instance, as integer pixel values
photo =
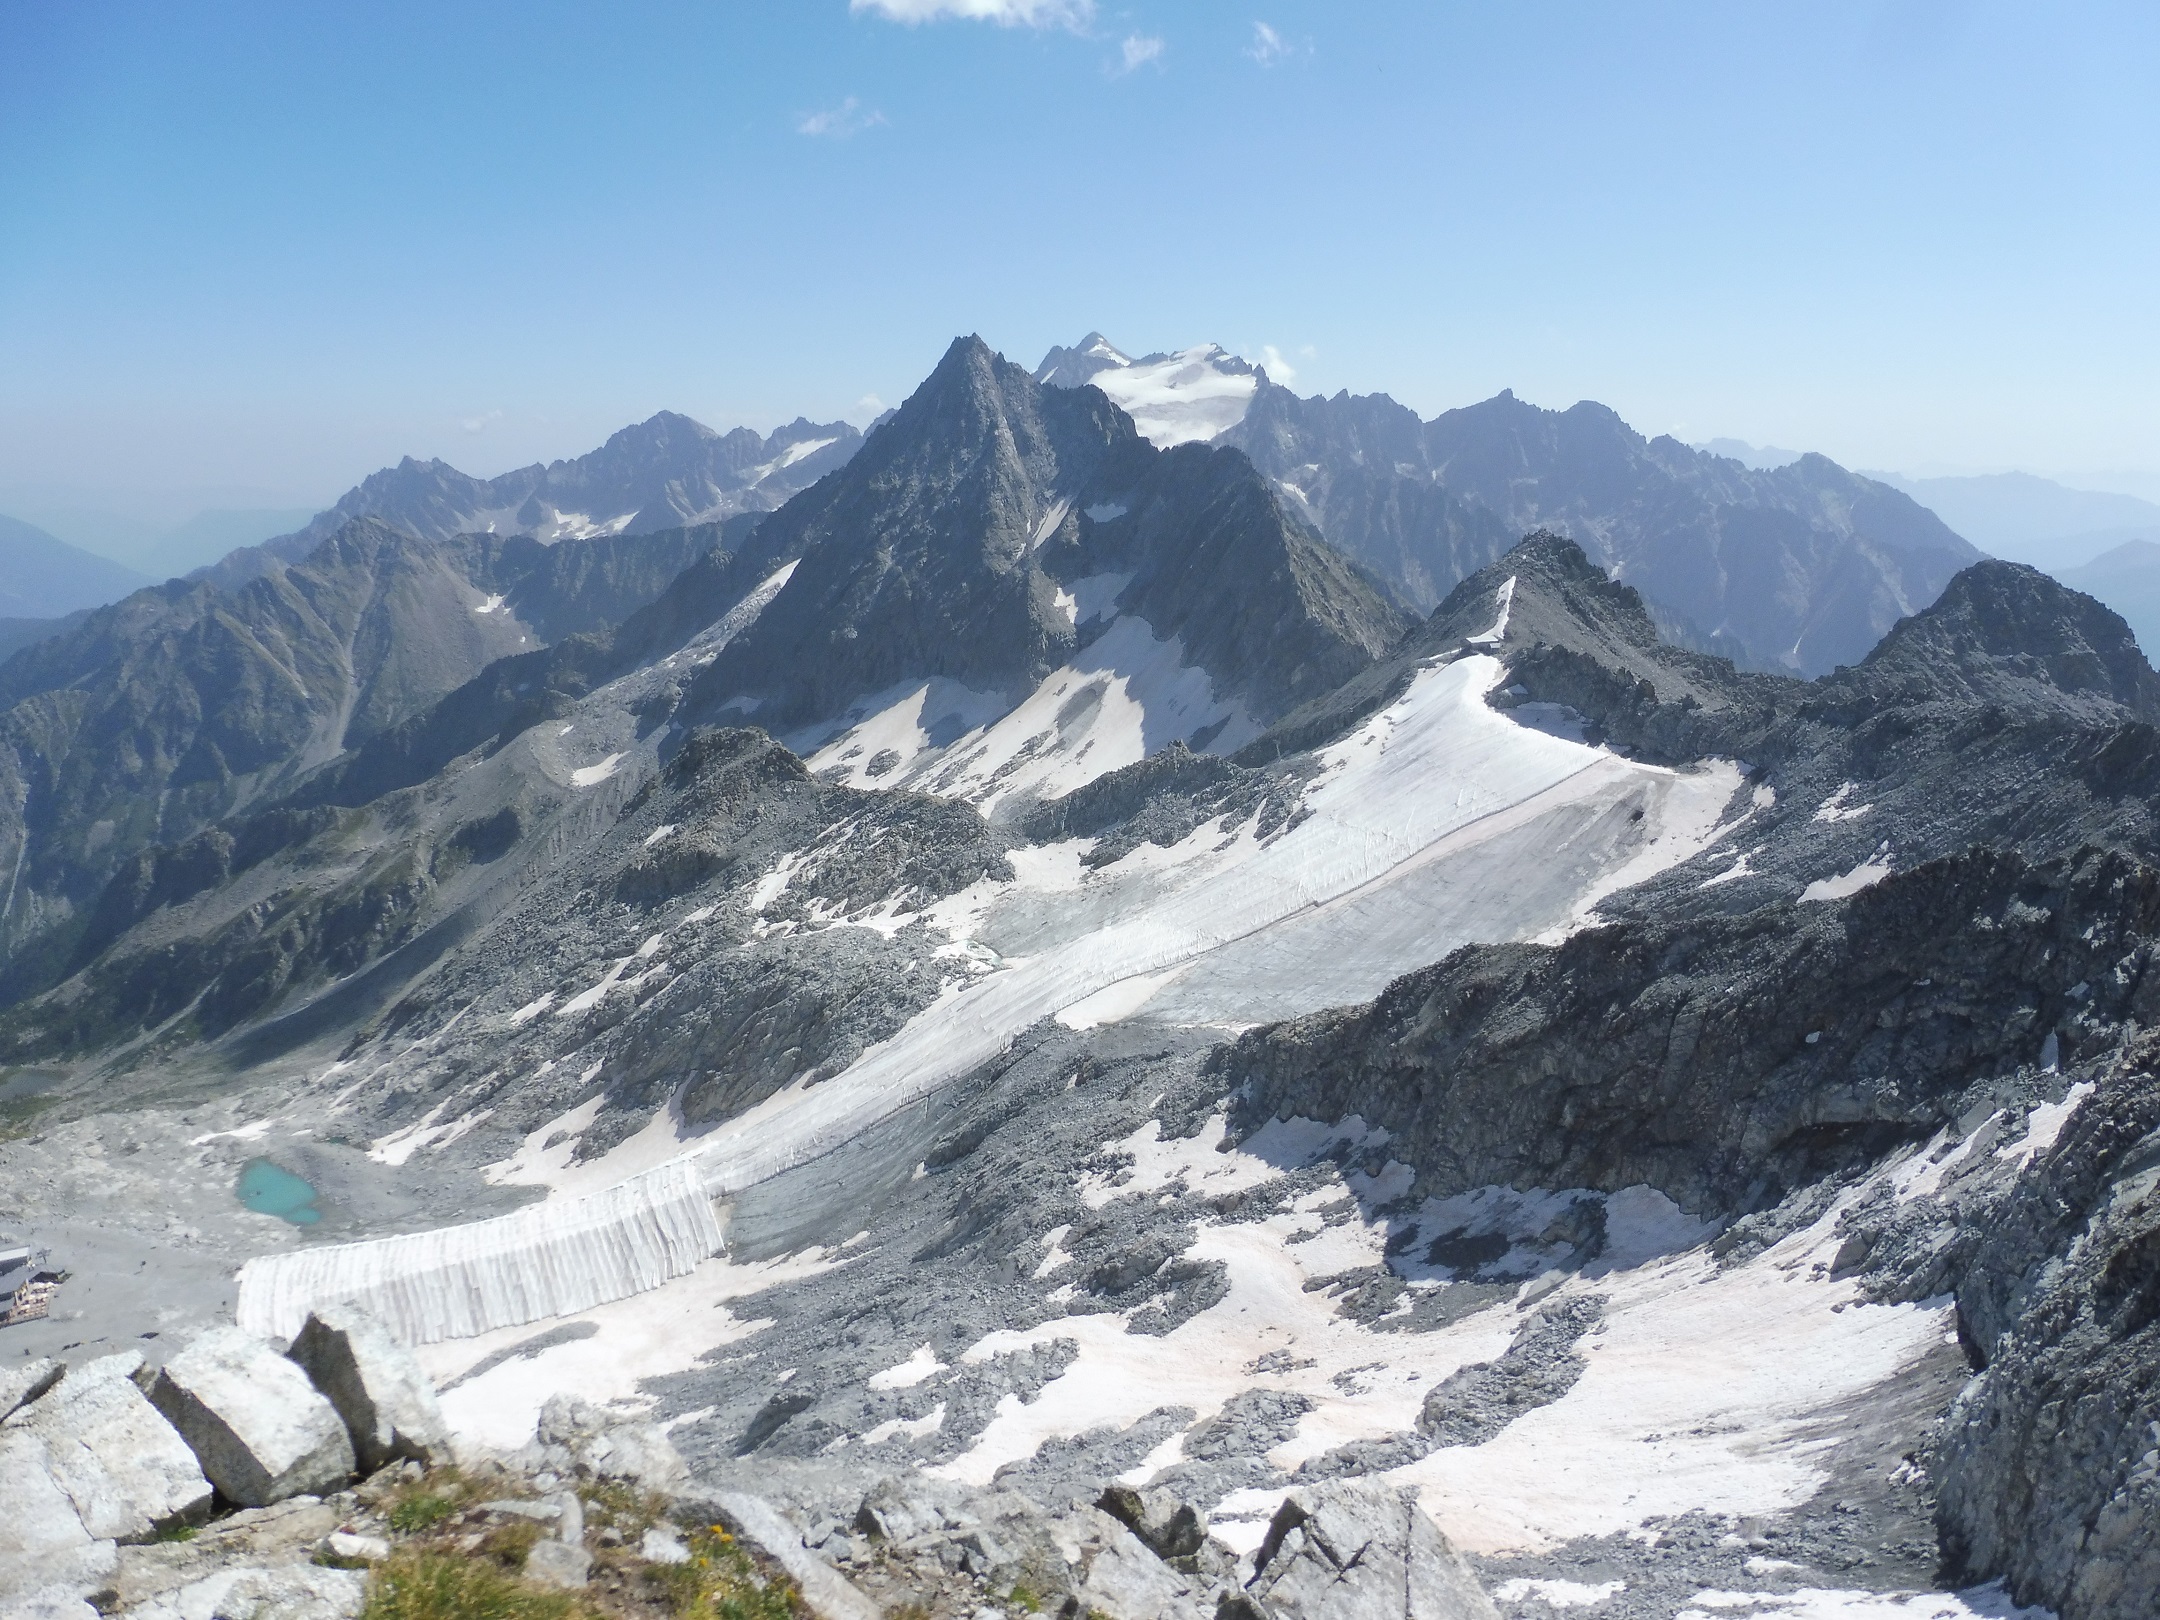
(549, 1260)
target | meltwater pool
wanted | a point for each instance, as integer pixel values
(269, 1190)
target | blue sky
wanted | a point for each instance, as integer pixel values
(251, 251)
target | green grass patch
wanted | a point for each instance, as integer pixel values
(427, 1502)
(511, 1544)
(417, 1584)
(721, 1582)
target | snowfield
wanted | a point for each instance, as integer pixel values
(1705, 1390)
(1123, 697)
(1183, 398)
(1439, 822)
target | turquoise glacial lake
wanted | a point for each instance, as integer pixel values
(268, 1190)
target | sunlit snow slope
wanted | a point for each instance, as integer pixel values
(1183, 398)
(1124, 696)
(1439, 822)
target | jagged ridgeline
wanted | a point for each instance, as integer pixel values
(1028, 960)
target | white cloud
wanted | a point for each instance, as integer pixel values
(851, 117)
(480, 423)
(1278, 369)
(1073, 14)
(1139, 50)
(1269, 47)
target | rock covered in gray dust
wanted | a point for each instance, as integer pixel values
(295, 1592)
(602, 1446)
(46, 1545)
(261, 1431)
(1354, 1550)
(376, 1384)
(126, 1469)
(19, 1386)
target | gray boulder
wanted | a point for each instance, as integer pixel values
(1123, 1577)
(603, 1446)
(294, 1592)
(127, 1471)
(261, 1431)
(19, 1386)
(557, 1563)
(45, 1545)
(376, 1384)
(1353, 1550)
(53, 1603)
(1170, 1528)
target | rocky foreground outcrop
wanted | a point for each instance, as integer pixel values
(222, 1487)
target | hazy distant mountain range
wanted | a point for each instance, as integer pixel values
(42, 577)
(1799, 568)
(2034, 520)
(663, 473)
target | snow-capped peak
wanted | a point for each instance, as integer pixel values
(1191, 395)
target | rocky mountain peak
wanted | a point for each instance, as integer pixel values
(918, 560)
(2006, 633)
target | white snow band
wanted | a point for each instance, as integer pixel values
(568, 1254)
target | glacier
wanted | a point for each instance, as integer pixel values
(1441, 821)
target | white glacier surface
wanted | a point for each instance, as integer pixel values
(1440, 821)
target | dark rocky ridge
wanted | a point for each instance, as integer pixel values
(940, 548)
(156, 718)
(1726, 1061)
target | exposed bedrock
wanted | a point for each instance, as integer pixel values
(1729, 1060)
(1978, 1001)
(739, 1028)
(2049, 1464)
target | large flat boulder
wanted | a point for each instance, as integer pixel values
(45, 1547)
(1354, 1550)
(293, 1592)
(127, 1471)
(253, 1538)
(376, 1384)
(261, 1431)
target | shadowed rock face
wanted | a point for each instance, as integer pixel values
(939, 551)
(381, 1394)
(186, 703)
(1727, 1061)
(920, 559)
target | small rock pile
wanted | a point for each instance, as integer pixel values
(1344, 1550)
